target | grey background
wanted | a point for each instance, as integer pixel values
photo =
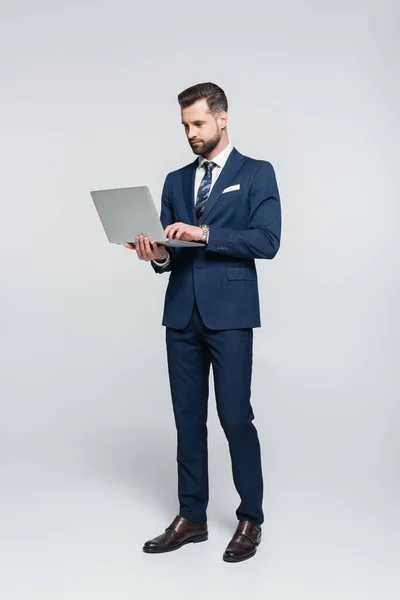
(87, 453)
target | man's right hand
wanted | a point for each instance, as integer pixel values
(147, 251)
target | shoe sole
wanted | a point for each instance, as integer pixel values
(195, 539)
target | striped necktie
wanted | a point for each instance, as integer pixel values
(204, 188)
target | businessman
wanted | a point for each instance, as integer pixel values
(231, 203)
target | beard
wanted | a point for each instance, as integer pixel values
(205, 147)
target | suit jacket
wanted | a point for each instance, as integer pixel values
(244, 224)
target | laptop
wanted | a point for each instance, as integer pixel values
(128, 212)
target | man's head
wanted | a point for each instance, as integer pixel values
(204, 115)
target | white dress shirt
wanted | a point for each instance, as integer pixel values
(220, 161)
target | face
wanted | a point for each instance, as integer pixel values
(203, 130)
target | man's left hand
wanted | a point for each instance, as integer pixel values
(184, 232)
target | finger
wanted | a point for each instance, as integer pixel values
(169, 230)
(155, 247)
(139, 246)
(143, 247)
(147, 249)
(129, 245)
(181, 233)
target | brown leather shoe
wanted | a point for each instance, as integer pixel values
(180, 532)
(244, 542)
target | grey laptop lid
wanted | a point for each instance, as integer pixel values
(128, 212)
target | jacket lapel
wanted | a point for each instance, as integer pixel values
(188, 179)
(231, 167)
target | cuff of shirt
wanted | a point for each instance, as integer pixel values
(163, 264)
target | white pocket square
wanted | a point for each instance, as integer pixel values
(231, 188)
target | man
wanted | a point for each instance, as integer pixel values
(231, 203)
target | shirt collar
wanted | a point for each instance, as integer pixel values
(220, 159)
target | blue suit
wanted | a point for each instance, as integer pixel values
(211, 307)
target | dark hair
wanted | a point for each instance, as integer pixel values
(215, 96)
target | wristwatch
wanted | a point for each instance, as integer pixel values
(205, 229)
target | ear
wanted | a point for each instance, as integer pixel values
(223, 119)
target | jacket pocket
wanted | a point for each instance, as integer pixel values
(241, 273)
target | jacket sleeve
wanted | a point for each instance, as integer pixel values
(261, 239)
(166, 218)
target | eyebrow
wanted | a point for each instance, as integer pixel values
(194, 122)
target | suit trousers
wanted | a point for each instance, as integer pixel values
(190, 352)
